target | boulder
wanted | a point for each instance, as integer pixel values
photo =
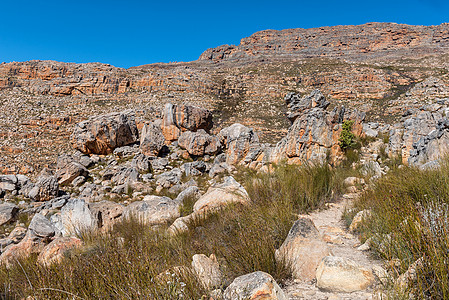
(40, 226)
(219, 195)
(106, 213)
(179, 118)
(238, 140)
(7, 212)
(208, 270)
(8, 182)
(170, 178)
(152, 140)
(67, 170)
(102, 134)
(199, 143)
(76, 218)
(303, 249)
(142, 163)
(358, 219)
(254, 286)
(153, 210)
(28, 245)
(159, 163)
(195, 168)
(125, 175)
(46, 188)
(337, 274)
(54, 251)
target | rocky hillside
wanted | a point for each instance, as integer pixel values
(378, 68)
(175, 161)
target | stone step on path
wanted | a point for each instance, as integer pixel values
(343, 244)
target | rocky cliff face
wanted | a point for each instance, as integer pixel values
(360, 42)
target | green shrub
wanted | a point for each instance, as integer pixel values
(347, 138)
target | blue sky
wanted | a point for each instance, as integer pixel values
(131, 33)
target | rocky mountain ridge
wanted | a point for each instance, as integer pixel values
(361, 42)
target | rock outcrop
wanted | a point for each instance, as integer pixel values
(102, 134)
(315, 132)
(238, 140)
(180, 118)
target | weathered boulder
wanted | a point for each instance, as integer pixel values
(76, 218)
(153, 210)
(337, 274)
(8, 182)
(106, 213)
(28, 245)
(199, 143)
(219, 195)
(7, 212)
(303, 249)
(152, 140)
(142, 163)
(195, 168)
(54, 251)
(179, 118)
(102, 134)
(358, 219)
(238, 140)
(46, 188)
(254, 286)
(124, 175)
(208, 270)
(169, 178)
(68, 169)
(42, 227)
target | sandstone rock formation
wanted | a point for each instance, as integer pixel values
(315, 131)
(372, 39)
(208, 270)
(254, 286)
(230, 191)
(153, 210)
(303, 250)
(179, 118)
(152, 140)
(199, 143)
(337, 274)
(102, 134)
(238, 140)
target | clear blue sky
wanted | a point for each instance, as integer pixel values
(131, 33)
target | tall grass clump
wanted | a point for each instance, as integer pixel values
(135, 261)
(409, 223)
